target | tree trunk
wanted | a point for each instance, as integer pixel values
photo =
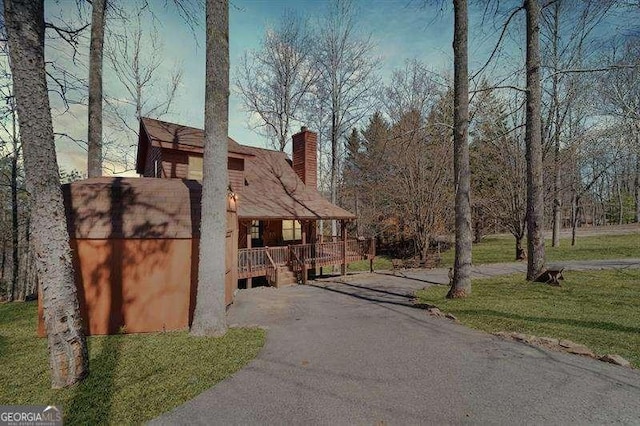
(533, 140)
(574, 219)
(461, 286)
(637, 180)
(620, 203)
(357, 212)
(94, 157)
(334, 169)
(3, 262)
(555, 240)
(63, 323)
(209, 316)
(519, 250)
(557, 210)
(14, 214)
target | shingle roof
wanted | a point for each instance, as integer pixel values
(113, 207)
(272, 190)
(176, 136)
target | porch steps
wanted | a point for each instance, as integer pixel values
(285, 277)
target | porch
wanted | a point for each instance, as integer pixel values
(270, 262)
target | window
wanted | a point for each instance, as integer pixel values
(195, 168)
(255, 229)
(291, 230)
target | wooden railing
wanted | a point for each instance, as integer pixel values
(297, 265)
(251, 262)
(280, 255)
(272, 269)
(264, 261)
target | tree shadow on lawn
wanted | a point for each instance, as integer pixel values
(93, 398)
(601, 325)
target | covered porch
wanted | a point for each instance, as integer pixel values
(298, 258)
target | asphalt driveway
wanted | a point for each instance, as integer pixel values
(356, 351)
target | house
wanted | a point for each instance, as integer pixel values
(135, 240)
(278, 204)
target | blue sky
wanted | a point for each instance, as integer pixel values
(401, 29)
(397, 27)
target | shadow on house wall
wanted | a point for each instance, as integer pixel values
(135, 252)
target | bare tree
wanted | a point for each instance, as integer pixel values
(94, 138)
(15, 230)
(135, 58)
(413, 87)
(620, 94)
(420, 177)
(209, 316)
(16, 250)
(275, 81)
(533, 140)
(66, 341)
(461, 285)
(566, 28)
(10, 141)
(347, 79)
(498, 164)
(373, 169)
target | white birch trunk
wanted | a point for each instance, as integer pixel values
(63, 323)
(209, 317)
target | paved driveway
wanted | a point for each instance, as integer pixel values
(358, 353)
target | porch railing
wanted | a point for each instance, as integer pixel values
(262, 261)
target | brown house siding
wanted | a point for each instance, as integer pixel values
(135, 285)
(175, 164)
(272, 234)
(135, 252)
(154, 154)
(235, 166)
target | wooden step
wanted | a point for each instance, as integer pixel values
(285, 277)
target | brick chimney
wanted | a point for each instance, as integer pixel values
(305, 156)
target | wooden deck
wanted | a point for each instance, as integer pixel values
(265, 261)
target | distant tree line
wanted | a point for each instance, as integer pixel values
(387, 154)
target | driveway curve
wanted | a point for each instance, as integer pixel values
(356, 351)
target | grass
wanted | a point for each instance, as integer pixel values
(600, 309)
(133, 378)
(380, 263)
(497, 249)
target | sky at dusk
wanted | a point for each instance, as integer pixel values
(401, 30)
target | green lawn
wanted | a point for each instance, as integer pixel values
(133, 377)
(600, 309)
(496, 249)
(380, 263)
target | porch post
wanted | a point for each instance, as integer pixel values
(248, 225)
(303, 228)
(321, 242)
(343, 229)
